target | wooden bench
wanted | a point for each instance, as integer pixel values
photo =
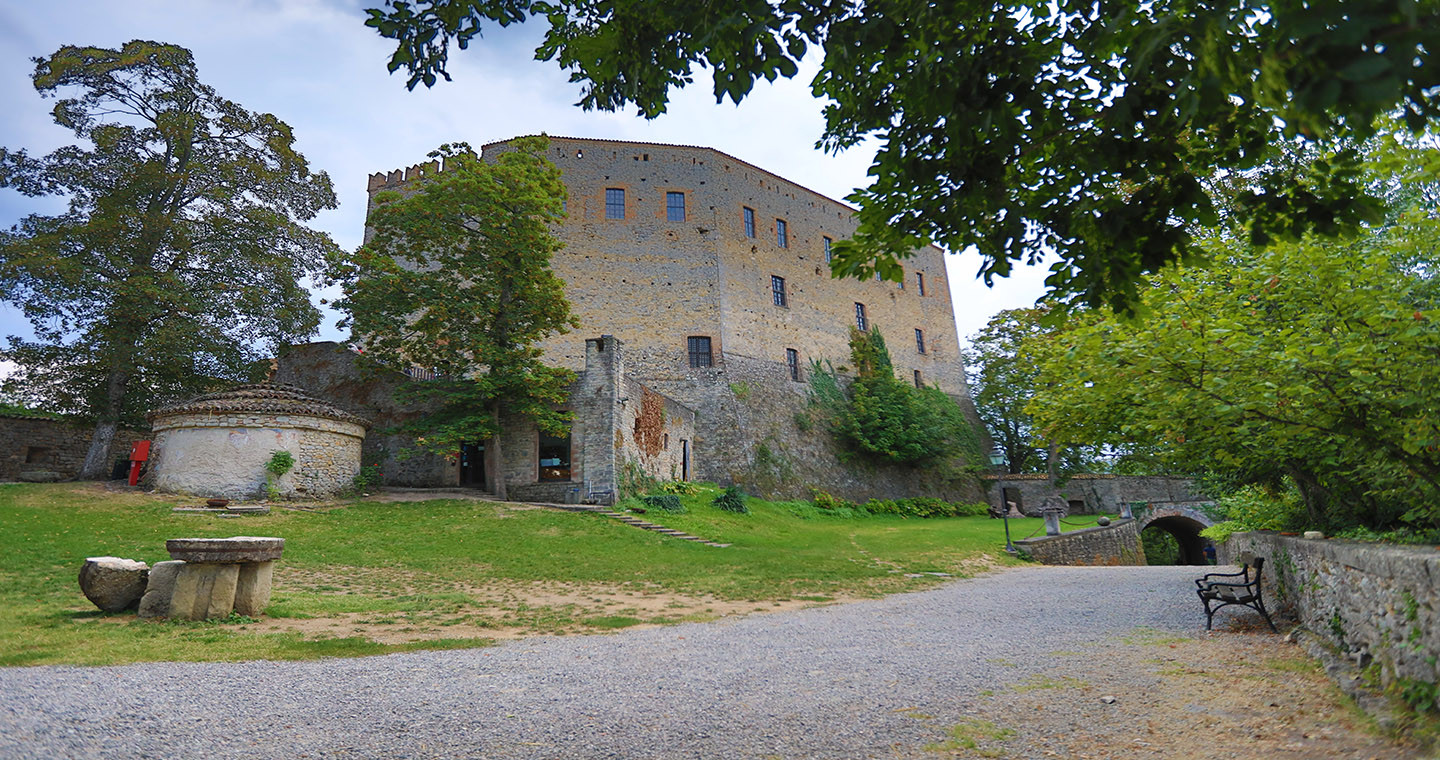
(1225, 589)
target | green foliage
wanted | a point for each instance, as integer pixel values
(179, 261)
(665, 502)
(634, 479)
(1220, 532)
(923, 507)
(885, 419)
(457, 278)
(986, 115)
(368, 479)
(1160, 547)
(741, 390)
(1258, 508)
(280, 463)
(821, 500)
(1310, 363)
(731, 500)
(680, 487)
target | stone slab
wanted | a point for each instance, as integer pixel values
(113, 583)
(252, 589)
(204, 591)
(159, 589)
(236, 549)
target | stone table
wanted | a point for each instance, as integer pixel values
(220, 575)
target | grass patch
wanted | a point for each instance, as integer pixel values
(431, 566)
(972, 734)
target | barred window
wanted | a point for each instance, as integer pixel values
(918, 382)
(861, 323)
(792, 363)
(782, 235)
(920, 282)
(749, 214)
(919, 340)
(777, 290)
(828, 255)
(675, 207)
(700, 351)
(614, 203)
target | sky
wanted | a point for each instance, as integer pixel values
(316, 66)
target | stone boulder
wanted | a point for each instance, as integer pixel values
(39, 476)
(112, 583)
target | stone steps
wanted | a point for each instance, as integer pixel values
(631, 520)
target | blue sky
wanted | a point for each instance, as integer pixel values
(315, 65)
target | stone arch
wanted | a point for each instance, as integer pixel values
(1185, 524)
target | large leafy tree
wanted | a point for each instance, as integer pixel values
(1003, 371)
(179, 259)
(1315, 363)
(1021, 126)
(456, 278)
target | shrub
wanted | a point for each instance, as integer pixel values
(732, 500)
(665, 502)
(924, 507)
(367, 479)
(822, 500)
(680, 487)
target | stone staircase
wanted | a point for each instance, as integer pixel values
(632, 520)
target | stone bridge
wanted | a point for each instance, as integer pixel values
(1120, 542)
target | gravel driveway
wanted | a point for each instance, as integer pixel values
(879, 678)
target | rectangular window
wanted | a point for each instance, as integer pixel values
(675, 207)
(918, 382)
(777, 290)
(749, 214)
(699, 351)
(920, 283)
(792, 363)
(782, 236)
(554, 457)
(827, 250)
(919, 340)
(614, 203)
(860, 323)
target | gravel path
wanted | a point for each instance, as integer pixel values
(878, 678)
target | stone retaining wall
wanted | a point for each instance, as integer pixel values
(1379, 603)
(32, 444)
(1116, 544)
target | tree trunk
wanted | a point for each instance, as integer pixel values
(499, 469)
(97, 459)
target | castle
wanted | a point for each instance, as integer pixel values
(709, 283)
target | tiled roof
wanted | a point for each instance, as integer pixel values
(271, 398)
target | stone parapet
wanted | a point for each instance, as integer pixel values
(1378, 603)
(1116, 544)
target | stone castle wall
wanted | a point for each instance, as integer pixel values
(1094, 494)
(1376, 602)
(34, 444)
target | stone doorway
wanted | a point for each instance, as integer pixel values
(472, 465)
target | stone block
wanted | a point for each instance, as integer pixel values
(236, 549)
(40, 476)
(204, 590)
(252, 589)
(159, 589)
(112, 583)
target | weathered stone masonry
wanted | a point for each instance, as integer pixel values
(38, 444)
(1376, 602)
(653, 283)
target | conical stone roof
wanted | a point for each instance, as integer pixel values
(269, 398)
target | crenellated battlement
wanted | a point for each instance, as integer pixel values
(380, 180)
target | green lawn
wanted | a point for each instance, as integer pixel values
(446, 574)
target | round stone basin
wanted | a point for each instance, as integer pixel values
(235, 549)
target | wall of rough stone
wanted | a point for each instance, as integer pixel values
(1117, 544)
(1377, 602)
(224, 455)
(30, 444)
(342, 377)
(1095, 494)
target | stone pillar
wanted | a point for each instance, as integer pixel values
(597, 414)
(203, 591)
(252, 590)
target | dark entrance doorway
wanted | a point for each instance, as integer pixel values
(472, 465)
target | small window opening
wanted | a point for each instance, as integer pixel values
(614, 203)
(792, 363)
(782, 234)
(749, 215)
(777, 290)
(861, 323)
(675, 207)
(700, 355)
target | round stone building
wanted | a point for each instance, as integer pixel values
(217, 445)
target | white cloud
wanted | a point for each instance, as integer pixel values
(316, 66)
